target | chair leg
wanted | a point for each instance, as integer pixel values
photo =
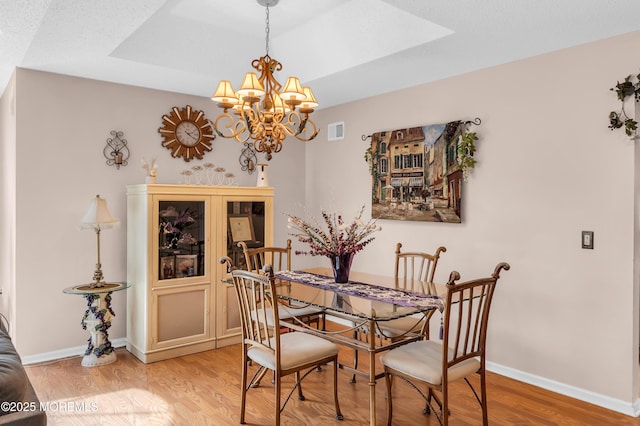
(355, 366)
(299, 385)
(339, 415)
(277, 397)
(243, 397)
(427, 407)
(387, 380)
(483, 394)
(444, 413)
(356, 335)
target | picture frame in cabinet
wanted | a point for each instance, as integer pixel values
(167, 267)
(186, 265)
(241, 228)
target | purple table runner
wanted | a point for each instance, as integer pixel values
(367, 291)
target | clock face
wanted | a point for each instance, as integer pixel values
(187, 133)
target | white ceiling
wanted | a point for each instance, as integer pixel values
(344, 49)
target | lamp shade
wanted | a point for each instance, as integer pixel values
(310, 101)
(225, 94)
(292, 90)
(251, 86)
(98, 216)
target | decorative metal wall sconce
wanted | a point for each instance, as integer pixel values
(116, 151)
(248, 158)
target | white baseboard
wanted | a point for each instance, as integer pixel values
(66, 353)
(628, 408)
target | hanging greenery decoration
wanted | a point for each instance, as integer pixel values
(620, 119)
(466, 149)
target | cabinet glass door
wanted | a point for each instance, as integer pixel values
(246, 223)
(181, 239)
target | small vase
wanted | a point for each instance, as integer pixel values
(341, 265)
(263, 180)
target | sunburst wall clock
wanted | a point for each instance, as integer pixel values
(186, 133)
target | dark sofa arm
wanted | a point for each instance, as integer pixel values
(15, 388)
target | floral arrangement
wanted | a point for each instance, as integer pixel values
(151, 168)
(175, 229)
(339, 238)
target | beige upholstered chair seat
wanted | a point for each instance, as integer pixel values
(422, 360)
(301, 349)
(401, 326)
(288, 312)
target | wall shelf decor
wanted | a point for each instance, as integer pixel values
(248, 158)
(417, 172)
(116, 151)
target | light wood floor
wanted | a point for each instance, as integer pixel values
(203, 389)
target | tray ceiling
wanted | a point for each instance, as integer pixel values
(344, 49)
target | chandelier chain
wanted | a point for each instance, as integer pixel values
(267, 29)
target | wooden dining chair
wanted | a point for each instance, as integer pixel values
(414, 271)
(257, 257)
(279, 258)
(284, 354)
(460, 354)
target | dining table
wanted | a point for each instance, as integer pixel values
(366, 302)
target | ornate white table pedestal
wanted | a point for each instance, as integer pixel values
(97, 320)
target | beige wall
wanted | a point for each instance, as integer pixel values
(63, 123)
(548, 168)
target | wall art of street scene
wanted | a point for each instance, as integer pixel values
(415, 173)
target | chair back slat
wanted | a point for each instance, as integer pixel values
(415, 270)
(279, 258)
(258, 309)
(466, 317)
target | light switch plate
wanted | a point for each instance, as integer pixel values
(587, 239)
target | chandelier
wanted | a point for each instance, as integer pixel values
(262, 109)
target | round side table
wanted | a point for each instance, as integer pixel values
(97, 320)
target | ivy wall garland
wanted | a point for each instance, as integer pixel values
(625, 89)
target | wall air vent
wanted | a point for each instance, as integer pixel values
(336, 131)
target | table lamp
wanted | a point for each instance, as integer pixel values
(98, 218)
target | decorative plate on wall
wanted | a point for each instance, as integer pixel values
(187, 133)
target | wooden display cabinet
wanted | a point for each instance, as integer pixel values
(177, 303)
